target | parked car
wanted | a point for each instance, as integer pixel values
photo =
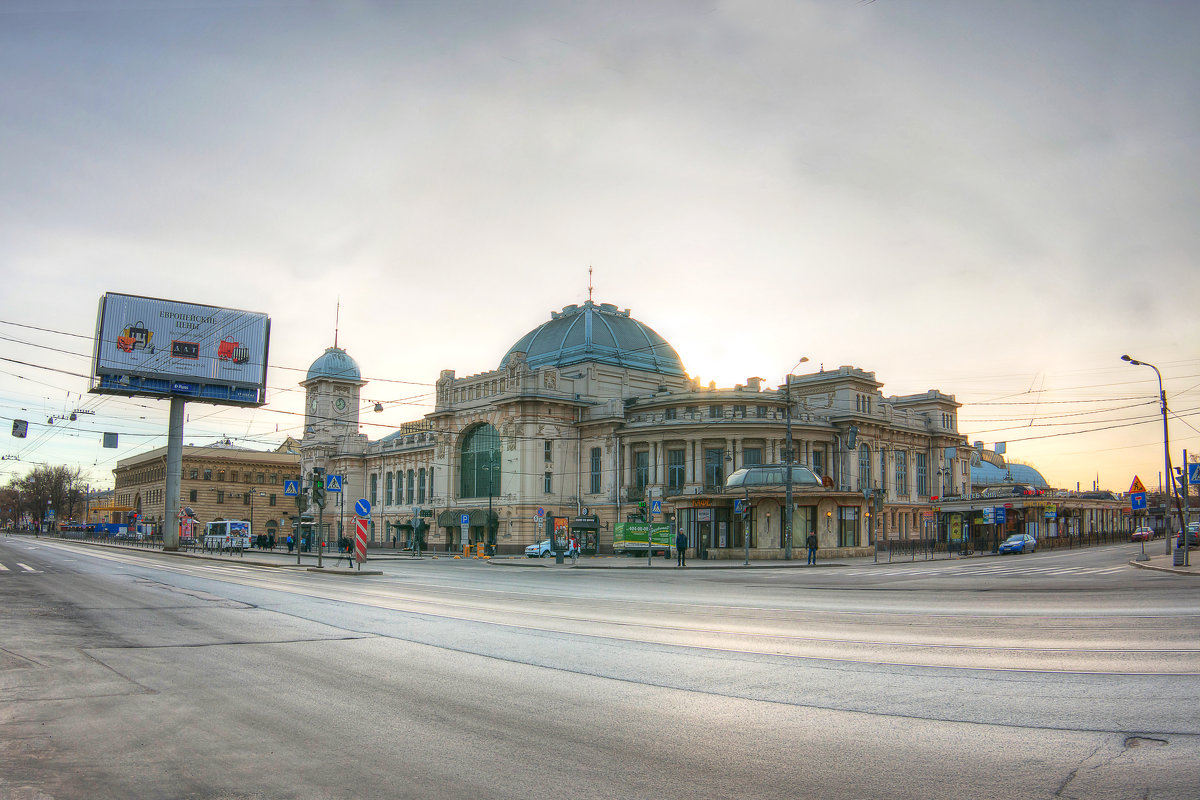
(1142, 535)
(1193, 535)
(1018, 543)
(543, 550)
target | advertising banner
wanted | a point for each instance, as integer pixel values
(147, 346)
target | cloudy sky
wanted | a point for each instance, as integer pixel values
(996, 200)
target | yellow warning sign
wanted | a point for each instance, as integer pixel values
(1136, 486)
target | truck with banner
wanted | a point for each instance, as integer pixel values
(635, 537)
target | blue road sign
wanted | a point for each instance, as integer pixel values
(999, 515)
(291, 488)
(465, 519)
(1137, 501)
(362, 508)
(1193, 473)
(656, 506)
(541, 512)
(333, 483)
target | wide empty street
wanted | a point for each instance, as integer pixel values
(1059, 674)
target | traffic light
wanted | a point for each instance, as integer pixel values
(642, 509)
(318, 490)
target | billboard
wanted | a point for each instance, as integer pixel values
(150, 347)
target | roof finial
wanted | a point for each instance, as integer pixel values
(337, 316)
(589, 283)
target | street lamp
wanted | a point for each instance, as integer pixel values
(1162, 395)
(788, 458)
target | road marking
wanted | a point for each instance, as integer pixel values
(3, 568)
(26, 567)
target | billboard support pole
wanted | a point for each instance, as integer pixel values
(174, 474)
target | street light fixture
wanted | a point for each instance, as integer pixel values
(1169, 476)
(788, 458)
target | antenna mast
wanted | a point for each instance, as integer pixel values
(589, 283)
(337, 316)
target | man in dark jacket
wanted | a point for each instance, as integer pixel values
(811, 544)
(681, 548)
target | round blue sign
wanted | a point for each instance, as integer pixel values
(362, 508)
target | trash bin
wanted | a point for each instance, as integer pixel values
(1180, 554)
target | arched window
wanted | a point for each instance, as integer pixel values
(411, 474)
(479, 467)
(421, 485)
(864, 467)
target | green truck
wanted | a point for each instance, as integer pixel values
(635, 537)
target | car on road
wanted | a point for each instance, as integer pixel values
(1193, 535)
(1018, 543)
(543, 550)
(1142, 535)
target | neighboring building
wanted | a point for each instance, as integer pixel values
(218, 482)
(591, 414)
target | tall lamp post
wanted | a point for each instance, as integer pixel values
(1170, 478)
(788, 458)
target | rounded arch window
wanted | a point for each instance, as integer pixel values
(479, 463)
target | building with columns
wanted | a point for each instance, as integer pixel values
(592, 414)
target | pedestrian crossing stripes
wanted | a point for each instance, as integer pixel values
(23, 568)
(967, 571)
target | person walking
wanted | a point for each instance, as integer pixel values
(681, 549)
(290, 543)
(811, 544)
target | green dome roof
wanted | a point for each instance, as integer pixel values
(597, 333)
(334, 364)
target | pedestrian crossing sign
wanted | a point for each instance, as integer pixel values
(1136, 486)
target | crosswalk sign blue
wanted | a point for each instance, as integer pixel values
(1193, 473)
(291, 488)
(656, 506)
(333, 483)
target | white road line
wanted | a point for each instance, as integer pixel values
(3, 568)
(26, 567)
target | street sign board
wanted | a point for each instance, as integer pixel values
(656, 506)
(333, 483)
(1137, 501)
(362, 508)
(1136, 486)
(1193, 473)
(999, 515)
(541, 512)
(291, 488)
(465, 520)
(360, 540)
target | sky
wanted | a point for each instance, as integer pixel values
(995, 200)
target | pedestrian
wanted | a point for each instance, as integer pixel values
(681, 549)
(290, 543)
(811, 544)
(343, 549)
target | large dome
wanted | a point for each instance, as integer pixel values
(334, 364)
(985, 474)
(597, 333)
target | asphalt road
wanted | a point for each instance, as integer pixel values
(137, 674)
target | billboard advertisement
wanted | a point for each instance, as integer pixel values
(150, 347)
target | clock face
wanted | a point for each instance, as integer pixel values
(340, 404)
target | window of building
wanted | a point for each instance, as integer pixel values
(641, 469)
(847, 526)
(901, 473)
(374, 489)
(387, 488)
(864, 467)
(421, 485)
(192, 496)
(208, 474)
(546, 450)
(274, 478)
(692, 411)
(262, 478)
(546, 482)
(271, 500)
(714, 467)
(716, 412)
(883, 470)
(479, 470)
(739, 411)
(751, 456)
(221, 475)
(675, 469)
(760, 412)
(193, 473)
(818, 462)
(671, 413)
(245, 498)
(412, 479)
(922, 476)
(595, 481)
(233, 476)
(220, 497)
